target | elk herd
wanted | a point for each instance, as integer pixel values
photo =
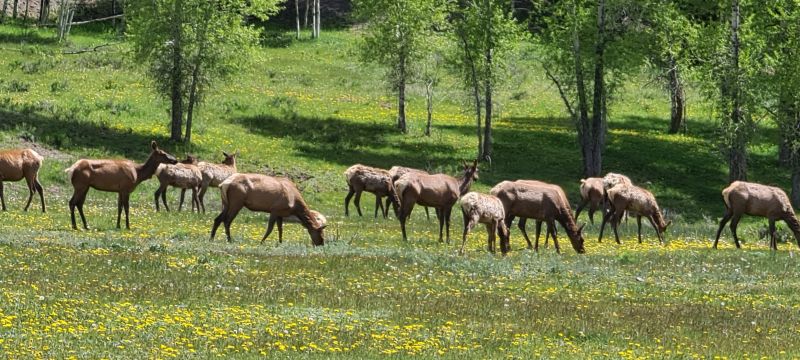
(615, 195)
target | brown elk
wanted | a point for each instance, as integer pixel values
(487, 210)
(438, 191)
(396, 172)
(184, 175)
(321, 220)
(119, 176)
(528, 199)
(17, 164)
(757, 200)
(639, 202)
(362, 178)
(592, 195)
(277, 196)
(215, 174)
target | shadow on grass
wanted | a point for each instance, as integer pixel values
(71, 134)
(346, 142)
(26, 36)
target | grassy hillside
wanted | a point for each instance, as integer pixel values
(309, 110)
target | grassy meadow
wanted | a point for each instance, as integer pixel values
(308, 110)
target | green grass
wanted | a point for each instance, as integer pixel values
(309, 110)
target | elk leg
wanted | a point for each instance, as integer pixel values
(551, 224)
(357, 202)
(653, 223)
(734, 225)
(31, 190)
(428, 213)
(119, 209)
(492, 238)
(41, 192)
(592, 209)
(606, 216)
(270, 225)
(347, 198)
(378, 205)
(155, 197)
(164, 197)
(441, 224)
(80, 211)
(195, 200)
(447, 214)
(539, 232)
(218, 220)
(201, 196)
(580, 208)
(615, 223)
(280, 230)
(468, 224)
(521, 226)
(639, 227)
(722, 223)
(2, 196)
(234, 210)
(773, 242)
(126, 203)
(183, 196)
(405, 212)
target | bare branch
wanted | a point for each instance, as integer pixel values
(560, 91)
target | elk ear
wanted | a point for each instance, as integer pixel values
(154, 145)
(475, 163)
(235, 154)
(580, 229)
(225, 154)
(668, 224)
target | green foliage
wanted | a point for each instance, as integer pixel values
(399, 31)
(200, 40)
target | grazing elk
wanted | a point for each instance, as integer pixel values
(321, 220)
(362, 178)
(438, 191)
(277, 196)
(396, 172)
(639, 202)
(541, 201)
(184, 175)
(119, 176)
(758, 200)
(215, 174)
(591, 194)
(487, 210)
(21, 163)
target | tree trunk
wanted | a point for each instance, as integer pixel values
(401, 96)
(44, 11)
(475, 92)
(487, 124)
(177, 75)
(305, 20)
(318, 23)
(297, 17)
(795, 185)
(677, 98)
(593, 153)
(5, 8)
(792, 137)
(429, 103)
(314, 19)
(737, 159)
(14, 12)
(192, 101)
(27, 7)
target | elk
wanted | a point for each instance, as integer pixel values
(541, 201)
(184, 175)
(362, 178)
(119, 176)
(16, 164)
(396, 172)
(321, 220)
(757, 200)
(639, 202)
(487, 210)
(439, 191)
(215, 174)
(277, 196)
(591, 194)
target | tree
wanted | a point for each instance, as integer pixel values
(580, 37)
(189, 43)
(486, 33)
(396, 38)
